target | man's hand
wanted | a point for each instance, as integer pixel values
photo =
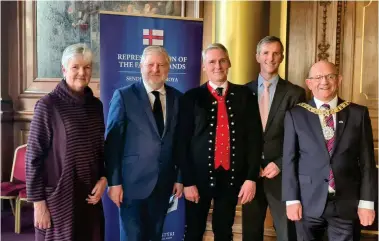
(294, 211)
(247, 192)
(270, 171)
(366, 216)
(42, 219)
(191, 194)
(178, 190)
(97, 191)
(116, 194)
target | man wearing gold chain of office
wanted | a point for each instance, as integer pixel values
(329, 175)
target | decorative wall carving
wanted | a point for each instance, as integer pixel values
(324, 46)
(339, 32)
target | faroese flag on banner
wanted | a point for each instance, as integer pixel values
(153, 37)
(122, 40)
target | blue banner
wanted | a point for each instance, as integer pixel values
(122, 40)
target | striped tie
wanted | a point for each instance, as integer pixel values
(330, 143)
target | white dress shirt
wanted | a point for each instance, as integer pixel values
(224, 86)
(333, 104)
(162, 95)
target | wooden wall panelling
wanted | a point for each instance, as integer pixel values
(341, 8)
(7, 147)
(347, 51)
(365, 77)
(327, 22)
(21, 132)
(366, 54)
(8, 74)
(194, 8)
(302, 37)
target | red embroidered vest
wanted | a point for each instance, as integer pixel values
(222, 145)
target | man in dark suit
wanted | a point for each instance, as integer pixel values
(275, 96)
(218, 148)
(329, 175)
(138, 149)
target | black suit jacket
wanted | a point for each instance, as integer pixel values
(286, 96)
(194, 149)
(306, 161)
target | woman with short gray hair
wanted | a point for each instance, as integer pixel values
(64, 162)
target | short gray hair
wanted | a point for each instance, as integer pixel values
(76, 49)
(269, 39)
(215, 46)
(155, 49)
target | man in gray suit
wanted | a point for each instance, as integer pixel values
(275, 96)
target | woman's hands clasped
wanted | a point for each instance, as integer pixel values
(97, 191)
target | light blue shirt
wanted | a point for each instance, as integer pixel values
(274, 82)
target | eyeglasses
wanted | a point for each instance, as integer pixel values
(328, 77)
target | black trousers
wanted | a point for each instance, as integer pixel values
(254, 215)
(224, 207)
(338, 229)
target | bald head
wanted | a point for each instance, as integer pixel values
(323, 80)
(320, 65)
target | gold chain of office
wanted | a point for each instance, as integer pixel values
(324, 112)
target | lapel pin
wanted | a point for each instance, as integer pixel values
(253, 93)
(341, 122)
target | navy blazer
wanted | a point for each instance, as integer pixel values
(136, 156)
(306, 161)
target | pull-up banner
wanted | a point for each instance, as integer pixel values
(122, 40)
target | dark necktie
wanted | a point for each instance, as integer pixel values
(330, 143)
(219, 91)
(158, 112)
